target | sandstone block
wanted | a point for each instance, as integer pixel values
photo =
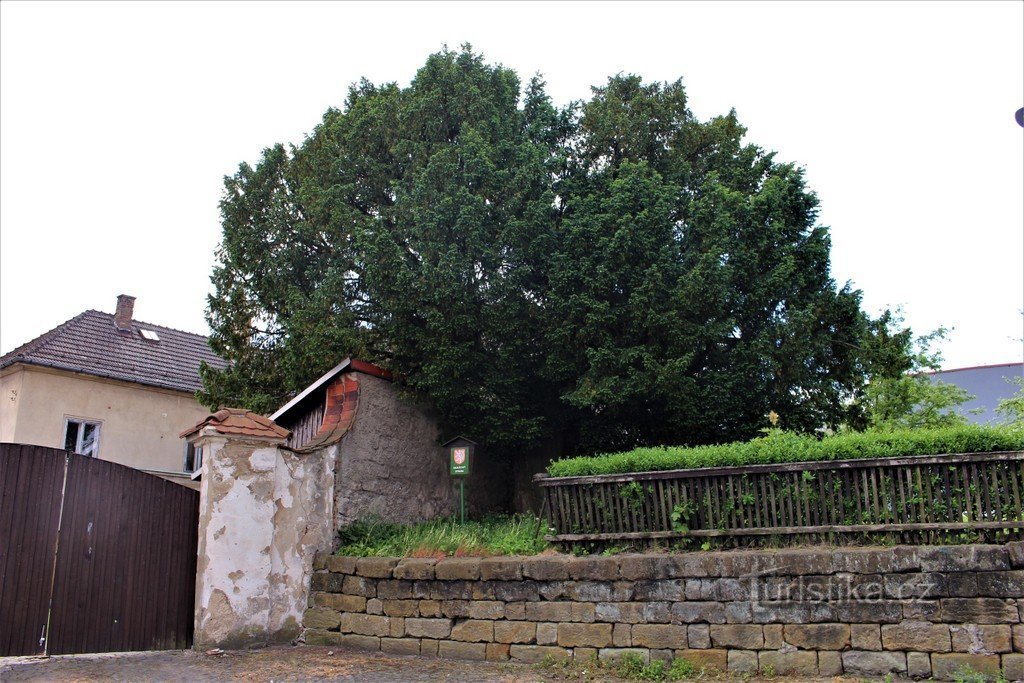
(593, 591)
(742, 662)
(1008, 584)
(818, 636)
(869, 611)
(705, 660)
(919, 665)
(961, 585)
(473, 631)
(428, 628)
(859, 662)
(549, 611)
(374, 606)
(497, 652)
(738, 636)
(830, 663)
(457, 568)
(659, 636)
(1018, 637)
(357, 585)
(922, 610)
(321, 618)
(614, 654)
(515, 631)
(798, 663)
(531, 654)
(585, 612)
(415, 568)
(875, 560)
(978, 611)
(428, 648)
(339, 602)
(365, 624)
(397, 627)
(975, 558)
(773, 639)
(452, 590)
(401, 608)
(793, 612)
(866, 636)
(400, 646)
(698, 612)
(421, 591)
(946, 666)
(545, 568)
(698, 636)
(316, 637)
(501, 569)
(450, 649)
(584, 635)
(622, 635)
(920, 636)
(666, 589)
(982, 639)
(359, 642)
(594, 568)
(625, 612)
(454, 609)
(738, 613)
(340, 564)
(515, 611)
(656, 655)
(644, 567)
(320, 561)
(1013, 667)
(430, 608)
(376, 567)
(547, 634)
(516, 591)
(486, 610)
(393, 589)
(325, 581)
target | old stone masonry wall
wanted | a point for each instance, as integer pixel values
(917, 611)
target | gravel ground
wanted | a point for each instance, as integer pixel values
(278, 664)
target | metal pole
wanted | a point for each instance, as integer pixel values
(462, 498)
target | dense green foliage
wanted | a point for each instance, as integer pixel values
(611, 274)
(496, 535)
(779, 446)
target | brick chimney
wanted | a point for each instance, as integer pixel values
(123, 315)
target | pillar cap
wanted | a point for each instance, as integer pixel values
(239, 422)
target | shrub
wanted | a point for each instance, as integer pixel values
(493, 535)
(780, 447)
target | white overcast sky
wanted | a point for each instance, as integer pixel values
(119, 121)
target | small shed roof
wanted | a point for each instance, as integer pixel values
(347, 365)
(241, 422)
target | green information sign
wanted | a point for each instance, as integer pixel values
(459, 463)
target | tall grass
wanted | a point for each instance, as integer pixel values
(494, 535)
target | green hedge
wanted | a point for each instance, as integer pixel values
(780, 446)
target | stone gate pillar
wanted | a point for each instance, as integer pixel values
(240, 495)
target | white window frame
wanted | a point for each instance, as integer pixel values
(81, 422)
(197, 460)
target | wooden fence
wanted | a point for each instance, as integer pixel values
(920, 499)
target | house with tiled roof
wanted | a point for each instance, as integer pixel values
(108, 386)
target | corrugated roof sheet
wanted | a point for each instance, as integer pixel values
(91, 344)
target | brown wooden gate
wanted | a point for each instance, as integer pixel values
(94, 556)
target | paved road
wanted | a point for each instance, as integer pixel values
(275, 664)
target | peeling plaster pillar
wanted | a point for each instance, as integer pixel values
(236, 534)
(264, 512)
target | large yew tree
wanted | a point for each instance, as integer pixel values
(614, 272)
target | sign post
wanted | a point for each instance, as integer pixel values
(460, 459)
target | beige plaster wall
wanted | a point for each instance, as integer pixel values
(140, 425)
(10, 394)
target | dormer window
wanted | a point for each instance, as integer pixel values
(150, 335)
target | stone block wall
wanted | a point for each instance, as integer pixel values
(913, 611)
